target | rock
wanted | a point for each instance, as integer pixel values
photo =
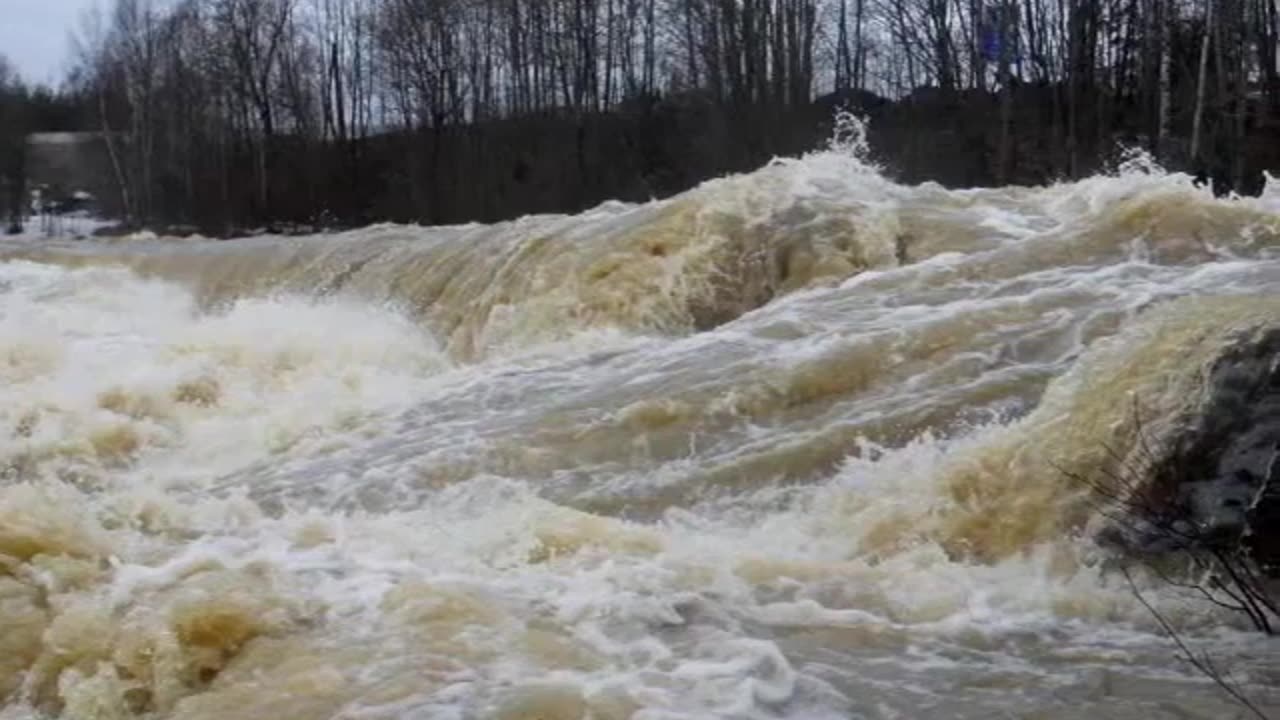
(1220, 471)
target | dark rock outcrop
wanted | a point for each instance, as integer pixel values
(1218, 478)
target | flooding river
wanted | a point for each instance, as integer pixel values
(788, 445)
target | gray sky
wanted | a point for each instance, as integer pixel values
(34, 35)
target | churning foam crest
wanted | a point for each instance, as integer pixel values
(106, 373)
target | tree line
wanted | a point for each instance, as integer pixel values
(229, 114)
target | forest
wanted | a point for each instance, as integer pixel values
(232, 114)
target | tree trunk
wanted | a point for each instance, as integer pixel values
(1201, 78)
(108, 137)
(1007, 25)
(1167, 16)
(859, 71)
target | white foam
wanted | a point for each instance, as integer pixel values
(204, 391)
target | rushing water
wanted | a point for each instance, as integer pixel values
(789, 445)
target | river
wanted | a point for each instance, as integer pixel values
(787, 445)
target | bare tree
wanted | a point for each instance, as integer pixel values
(241, 111)
(1201, 81)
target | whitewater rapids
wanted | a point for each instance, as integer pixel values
(788, 445)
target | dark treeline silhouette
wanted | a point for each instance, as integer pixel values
(230, 114)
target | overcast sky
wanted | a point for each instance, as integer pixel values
(35, 35)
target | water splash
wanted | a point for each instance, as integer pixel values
(849, 138)
(1136, 161)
